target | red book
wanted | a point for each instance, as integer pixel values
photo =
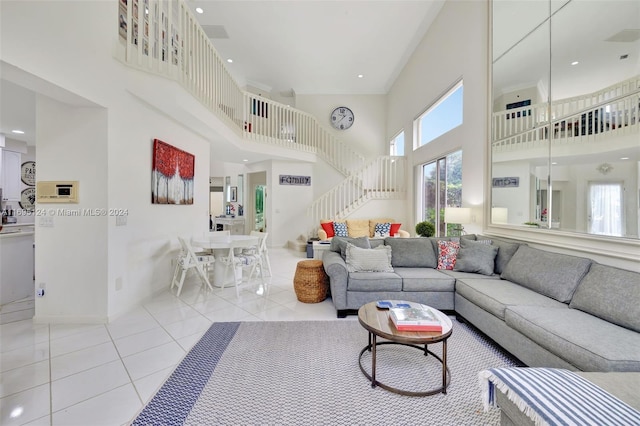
(419, 327)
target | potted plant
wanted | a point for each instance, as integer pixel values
(425, 229)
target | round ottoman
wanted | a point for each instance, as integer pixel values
(310, 282)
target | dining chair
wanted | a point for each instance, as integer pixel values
(189, 259)
(241, 258)
(262, 249)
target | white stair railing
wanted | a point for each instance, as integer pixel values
(612, 111)
(381, 178)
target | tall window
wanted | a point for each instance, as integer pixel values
(441, 187)
(441, 117)
(605, 208)
(396, 146)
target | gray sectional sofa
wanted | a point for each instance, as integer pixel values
(547, 309)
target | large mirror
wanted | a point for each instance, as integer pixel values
(565, 122)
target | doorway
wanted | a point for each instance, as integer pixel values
(216, 199)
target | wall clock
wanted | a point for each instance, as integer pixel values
(28, 199)
(342, 118)
(28, 173)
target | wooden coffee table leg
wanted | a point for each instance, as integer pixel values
(373, 360)
(444, 366)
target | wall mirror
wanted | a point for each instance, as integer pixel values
(565, 144)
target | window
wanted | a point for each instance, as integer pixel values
(441, 187)
(444, 115)
(396, 146)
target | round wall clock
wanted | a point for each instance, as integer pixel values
(28, 199)
(342, 118)
(28, 173)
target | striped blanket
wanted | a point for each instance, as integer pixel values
(552, 396)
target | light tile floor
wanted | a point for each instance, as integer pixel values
(103, 374)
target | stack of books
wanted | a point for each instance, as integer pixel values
(419, 318)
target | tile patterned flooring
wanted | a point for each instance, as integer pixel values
(103, 374)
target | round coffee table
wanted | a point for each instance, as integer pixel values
(377, 322)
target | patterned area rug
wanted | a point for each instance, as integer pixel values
(281, 373)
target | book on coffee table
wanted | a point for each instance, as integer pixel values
(419, 318)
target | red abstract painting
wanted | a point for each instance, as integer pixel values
(172, 175)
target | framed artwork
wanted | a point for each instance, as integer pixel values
(234, 194)
(172, 175)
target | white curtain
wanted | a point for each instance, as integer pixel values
(605, 210)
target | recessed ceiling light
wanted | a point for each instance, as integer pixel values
(554, 163)
(245, 160)
(230, 60)
(19, 132)
(575, 63)
(360, 75)
(199, 10)
(624, 158)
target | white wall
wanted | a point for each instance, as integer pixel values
(454, 47)
(367, 135)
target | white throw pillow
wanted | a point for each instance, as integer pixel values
(368, 260)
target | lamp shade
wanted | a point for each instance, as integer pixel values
(499, 215)
(457, 215)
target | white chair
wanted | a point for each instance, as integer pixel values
(262, 249)
(189, 259)
(240, 258)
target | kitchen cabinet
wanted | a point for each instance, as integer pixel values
(16, 266)
(11, 176)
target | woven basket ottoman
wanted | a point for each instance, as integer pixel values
(310, 282)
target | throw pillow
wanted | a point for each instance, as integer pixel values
(340, 229)
(368, 260)
(382, 230)
(328, 228)
(358, 228)
(447, 253)
(339, 244)
(395, 227)
(476, 256)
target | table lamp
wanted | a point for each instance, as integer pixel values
(458, 216)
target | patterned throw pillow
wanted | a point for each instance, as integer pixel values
(447, 254)
(382, 230)
(340, 229)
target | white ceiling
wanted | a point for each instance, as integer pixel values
(318, 47)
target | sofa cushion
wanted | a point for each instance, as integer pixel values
(611, 294)
(467, 275)
(495, 296)
(425, 279)
(374, 281)
(447, 254)
(339, 244)
(340, 229)
(552, 274)
(586, 341)
(328, 228)
(368, 260)
(506, 250)
(374, 222)
(476, 256)
(358, 228)
(411, 252)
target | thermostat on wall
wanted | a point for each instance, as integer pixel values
(57, 191)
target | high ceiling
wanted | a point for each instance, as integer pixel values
(316, 47)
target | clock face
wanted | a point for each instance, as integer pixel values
(28, 199)
(28, 173)
(342, 118)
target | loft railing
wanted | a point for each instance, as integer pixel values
(613, 111)
(381, 178)
(164, 37)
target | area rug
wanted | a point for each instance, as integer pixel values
(307, 373)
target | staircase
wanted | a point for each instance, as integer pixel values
(177, 48)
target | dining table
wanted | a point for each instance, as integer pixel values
(219, 246)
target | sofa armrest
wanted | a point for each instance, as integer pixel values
(336, 269)
(403, 234)
(322, 234)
